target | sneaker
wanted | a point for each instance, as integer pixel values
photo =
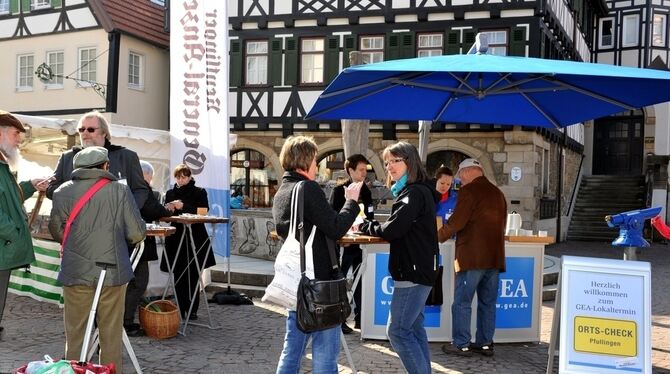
(458, 351)
(486, 349)
(346, 329)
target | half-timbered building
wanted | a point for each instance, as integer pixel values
(63, 58)
(284, 53)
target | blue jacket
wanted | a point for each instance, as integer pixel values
(444, 206)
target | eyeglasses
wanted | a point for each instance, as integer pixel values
(393, 161)
(89, 129)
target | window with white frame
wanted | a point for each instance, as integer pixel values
(256, 62)
(4, 6)
(56, 60)
(659, 30)
(497, 40)
(87, 65)
(372, 49)
(606, 39)
(312, 61)
(40, 4)
(25, 71)
(631, 25)
(135, 70)
(429, 45)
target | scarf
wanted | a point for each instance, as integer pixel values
(399, 185)
(445, 197)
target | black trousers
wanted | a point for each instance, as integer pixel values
(352, 256)
(185, 286)
(135, 291)
(4, 285)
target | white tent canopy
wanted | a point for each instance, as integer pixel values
(47, 138)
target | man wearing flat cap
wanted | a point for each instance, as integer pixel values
(479, 224)
(17, 250)
(108, 222)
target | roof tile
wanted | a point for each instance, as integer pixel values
(144, 19)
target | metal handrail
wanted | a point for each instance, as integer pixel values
(578, 183)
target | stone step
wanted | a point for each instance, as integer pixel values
(255, 292)
(252, 279)
(549, 292)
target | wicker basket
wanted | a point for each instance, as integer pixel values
(163, 324)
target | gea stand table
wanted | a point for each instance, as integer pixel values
(518, 307)
(188, 220)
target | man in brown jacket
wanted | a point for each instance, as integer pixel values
(479, 224)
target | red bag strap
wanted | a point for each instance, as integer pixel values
(78, 206)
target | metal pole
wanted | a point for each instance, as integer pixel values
(630, 254)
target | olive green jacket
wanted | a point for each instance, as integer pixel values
(16, 247)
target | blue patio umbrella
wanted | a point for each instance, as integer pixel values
(488, 89)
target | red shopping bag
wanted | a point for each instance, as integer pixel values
(90, 368)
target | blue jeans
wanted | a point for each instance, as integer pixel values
(405, 328)
(485, 283)
(325, 348)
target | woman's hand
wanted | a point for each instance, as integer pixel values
(353, 191)
(176, 204)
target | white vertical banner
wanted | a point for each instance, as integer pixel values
(198, 101)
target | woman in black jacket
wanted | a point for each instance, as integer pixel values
(298, 158)
(413, 260)
(187, 198)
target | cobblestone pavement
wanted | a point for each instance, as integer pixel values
(251, 338)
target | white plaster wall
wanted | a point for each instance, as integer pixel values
(40, 98)
(146, 107)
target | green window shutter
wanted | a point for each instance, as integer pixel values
(25, 6)
(452, 44)
(56, 3)
(235, 74)
(392, 47)
(350, 45)
(275, 63)
(407, 45)
(291, 68)
(517, 45)
(332, 58)
(13, 6)
(469, 37)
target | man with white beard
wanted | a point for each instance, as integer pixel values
(17, 246)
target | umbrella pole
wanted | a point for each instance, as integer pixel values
(424, 134)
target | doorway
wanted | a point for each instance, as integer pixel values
(618, 144)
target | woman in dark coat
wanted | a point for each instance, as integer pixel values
(298, 158)
(187, 198)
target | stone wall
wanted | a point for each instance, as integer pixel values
(499, 151)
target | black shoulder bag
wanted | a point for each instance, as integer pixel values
(321, 304)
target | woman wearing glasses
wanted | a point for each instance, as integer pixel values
(413, 260)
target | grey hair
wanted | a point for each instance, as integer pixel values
(147, 168)
(102, 122)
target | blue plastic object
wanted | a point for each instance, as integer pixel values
(630, 226)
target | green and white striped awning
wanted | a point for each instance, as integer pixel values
(40, 282)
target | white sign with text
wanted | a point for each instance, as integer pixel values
(605, 316)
